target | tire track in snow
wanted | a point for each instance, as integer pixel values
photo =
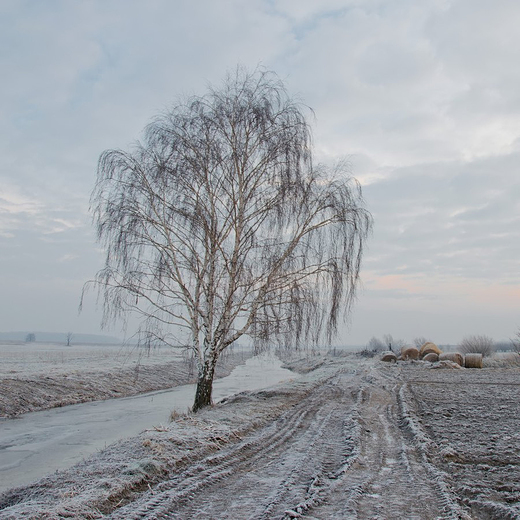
(353, 448)
(290, 461)
(392, 477)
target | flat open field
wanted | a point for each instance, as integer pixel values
(471, 424)
(38, 376)
(48, 359)
(353, 438)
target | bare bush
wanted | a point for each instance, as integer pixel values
(516, 342)
(393, 344)
(478, 344)
(420, 341)
(375, 344)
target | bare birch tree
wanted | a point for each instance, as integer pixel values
(218, 225)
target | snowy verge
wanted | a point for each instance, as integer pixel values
(19, 395)
(114, 476)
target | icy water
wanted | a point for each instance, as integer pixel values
(40, 443)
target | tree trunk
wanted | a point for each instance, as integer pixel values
(204, 385)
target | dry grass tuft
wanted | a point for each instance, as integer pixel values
(175, 415)
(502, 360)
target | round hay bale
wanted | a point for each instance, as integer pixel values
(389, 357)
(409, 353)
(429, 348)
(432, 357)
(424, 345)
(456, 357)
(473, 360)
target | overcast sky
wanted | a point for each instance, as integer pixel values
(423, 97)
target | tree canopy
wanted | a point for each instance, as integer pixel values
(219, 225)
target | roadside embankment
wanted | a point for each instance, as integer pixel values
(120, 473)
(22, 394)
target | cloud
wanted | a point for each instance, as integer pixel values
(67, 258)
(423, 97)
(14, 202)
(402, 81)
(458, 219)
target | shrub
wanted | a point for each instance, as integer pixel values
(516, 342)
(503, 360)
(393, 344)
(478, 344)
(420, 341)
(365, 353)
(375, 344)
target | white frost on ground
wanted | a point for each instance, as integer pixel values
(40, 443)
(352, 439)
(100, 482)
(41, 376)
(52, 359)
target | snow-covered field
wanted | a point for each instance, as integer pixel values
(36, 376)
(36, 359)
(353, 438)
(39, 443)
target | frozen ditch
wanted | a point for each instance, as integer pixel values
(40, 443)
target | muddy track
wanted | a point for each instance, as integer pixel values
(287, 462)
(354, 439)
(351, 449)
(391, 477)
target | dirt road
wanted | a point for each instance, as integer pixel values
(339, 453)
(354, 439)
